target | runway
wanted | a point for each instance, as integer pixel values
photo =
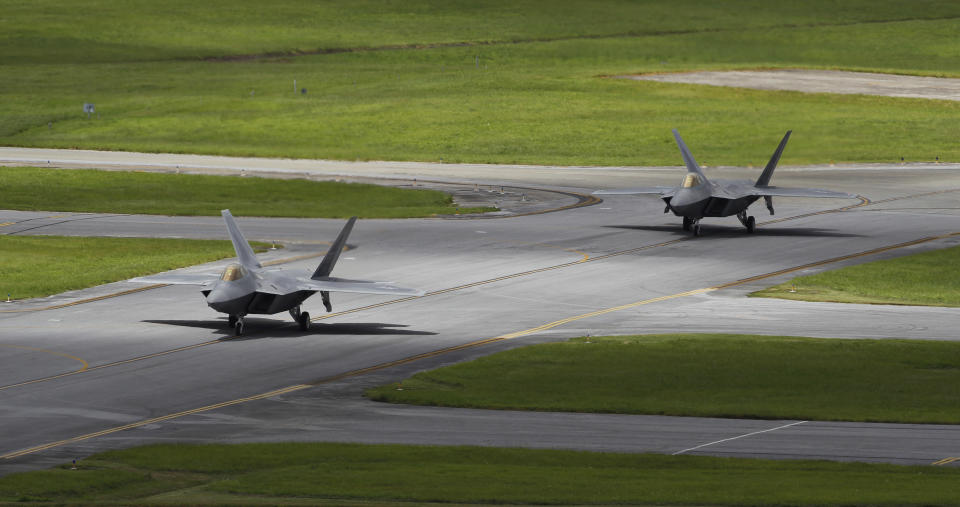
(158, 365)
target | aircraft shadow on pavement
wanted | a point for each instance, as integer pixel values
(268, 328)
(722, 231)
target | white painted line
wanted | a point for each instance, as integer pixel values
(741, 436)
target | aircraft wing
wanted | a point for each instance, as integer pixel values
(662, 190)
(178, 278)
(800, 192)
(360, 286)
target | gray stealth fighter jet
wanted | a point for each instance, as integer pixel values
(698, 197)
(246, 288)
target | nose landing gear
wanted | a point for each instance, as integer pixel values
(692, 224)
(236, 322)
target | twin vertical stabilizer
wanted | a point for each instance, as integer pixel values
(244, 253)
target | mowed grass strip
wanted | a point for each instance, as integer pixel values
(35, 266)
(320, 473)
(56, 31)
(740, 376)
(926, 278)
(531, 103)
(37, 189)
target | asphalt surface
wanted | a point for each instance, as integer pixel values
(157, 365)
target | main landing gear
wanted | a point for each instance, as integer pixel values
(302, 318)
(748, 221)
(236, 322)
(692, 224)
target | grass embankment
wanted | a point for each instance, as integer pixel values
(312, 473)
(534, 102)
(55, 31)
(707, 375)
(35, 266)
(927, 278)
(180, 194)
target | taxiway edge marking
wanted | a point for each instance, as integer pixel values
(154, 420)
(738, 437)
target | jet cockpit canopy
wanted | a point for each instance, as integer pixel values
(691, 180)
(233, 272)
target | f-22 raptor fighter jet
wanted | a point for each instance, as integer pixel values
(698, 197)
(246, 288)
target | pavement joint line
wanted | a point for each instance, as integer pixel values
(738, 437)
(585, 255)
(410, 359)
(945, 461)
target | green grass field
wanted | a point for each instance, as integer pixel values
(179, 194)
(35, 266)
(542, 101)
(706, 375)
(352, 474)
(927, 278)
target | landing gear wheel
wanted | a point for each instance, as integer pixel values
(304, 321)
(686, 223)
(696, 230)
(238, 327)
(232, 320)
(751, 224)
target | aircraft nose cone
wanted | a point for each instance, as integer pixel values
(682, 198)
(217, 296)
(226, 300)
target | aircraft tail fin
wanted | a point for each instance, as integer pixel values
(767, 173)
(244, 253)
(333, 254)
(688, 159)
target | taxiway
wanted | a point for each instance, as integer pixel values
(158, 365)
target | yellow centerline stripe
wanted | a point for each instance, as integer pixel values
(4, 224)
(501, 278)
(945, 461)
(410, 359)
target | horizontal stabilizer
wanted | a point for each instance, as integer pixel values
(357, 286)
(178, 278)
(662, 190)
(800, 192)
